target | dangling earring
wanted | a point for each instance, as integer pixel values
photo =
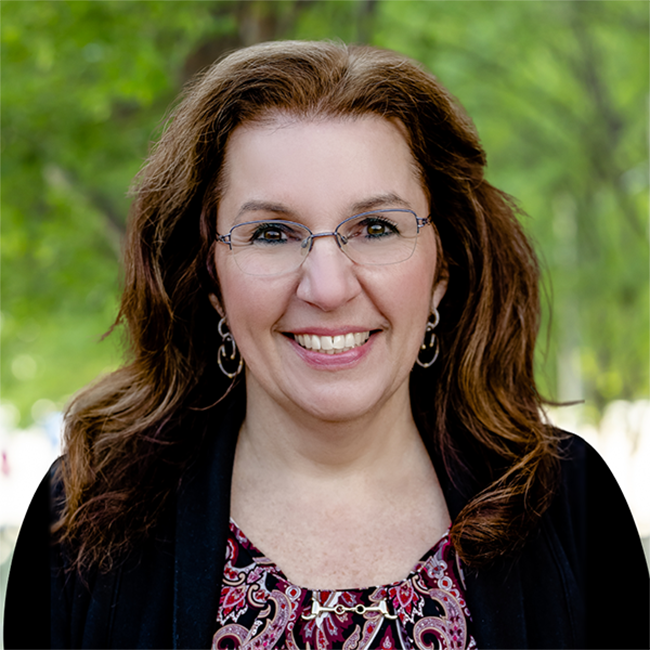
(222, 353)
(430, 340)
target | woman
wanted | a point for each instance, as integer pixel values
(328, 432)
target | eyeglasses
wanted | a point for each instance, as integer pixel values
(275, 247)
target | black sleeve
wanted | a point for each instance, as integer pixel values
(616, 578)
(50, 606)
(28, 612)
(603, 545)
(581, 581)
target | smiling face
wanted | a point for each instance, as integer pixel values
(319, 173)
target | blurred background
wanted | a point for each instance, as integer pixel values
(558, 90)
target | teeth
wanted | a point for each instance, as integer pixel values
(332, 344)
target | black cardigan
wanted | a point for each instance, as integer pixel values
(581, 581)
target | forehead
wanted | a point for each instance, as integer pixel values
(325, 164)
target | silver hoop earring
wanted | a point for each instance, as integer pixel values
(430, 341)
(223, 353)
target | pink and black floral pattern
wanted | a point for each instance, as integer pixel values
(260, 608)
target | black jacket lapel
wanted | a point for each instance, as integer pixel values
(203, 512)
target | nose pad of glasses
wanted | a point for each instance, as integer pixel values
(305, 246)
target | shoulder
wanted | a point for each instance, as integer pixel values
(589, 507)
(593, 537)
(28, 587)
(72, 610)
(134, 603)
(588, 492)
(581, 580)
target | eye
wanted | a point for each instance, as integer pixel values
(273, 233)
(380, 229)
(267, 233)
(374, 227)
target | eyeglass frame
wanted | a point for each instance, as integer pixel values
(420, 223)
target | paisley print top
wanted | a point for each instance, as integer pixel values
(260, 608)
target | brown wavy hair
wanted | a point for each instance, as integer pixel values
(477, 408)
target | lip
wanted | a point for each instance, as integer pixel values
(329, 331)
(332, 361)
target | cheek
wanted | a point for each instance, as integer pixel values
(252, 305)
(404, 298)
(237, 290)
(415, 286)
(225, 275)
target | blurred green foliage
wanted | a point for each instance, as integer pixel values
(558, 90)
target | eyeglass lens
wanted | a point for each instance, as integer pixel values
(274, 247)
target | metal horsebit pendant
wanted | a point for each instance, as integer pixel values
(317, 609)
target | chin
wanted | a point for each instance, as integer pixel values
(343, 404)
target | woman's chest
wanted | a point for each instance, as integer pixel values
(260, 607)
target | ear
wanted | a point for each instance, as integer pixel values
(214, 301)
(440, 287)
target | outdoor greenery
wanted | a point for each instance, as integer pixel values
(558, 90)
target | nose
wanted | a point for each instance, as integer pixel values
(327, 277)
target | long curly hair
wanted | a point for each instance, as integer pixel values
(478, 408)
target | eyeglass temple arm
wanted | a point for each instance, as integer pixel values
(423, 222)
(225, 239)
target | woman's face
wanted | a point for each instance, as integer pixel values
(319, 173)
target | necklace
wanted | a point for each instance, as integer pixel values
(317, 609)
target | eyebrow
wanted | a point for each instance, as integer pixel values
(264, 206)
(381, 200)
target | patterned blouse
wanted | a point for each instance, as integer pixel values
(260, 608)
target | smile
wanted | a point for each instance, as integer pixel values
(332, 344)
